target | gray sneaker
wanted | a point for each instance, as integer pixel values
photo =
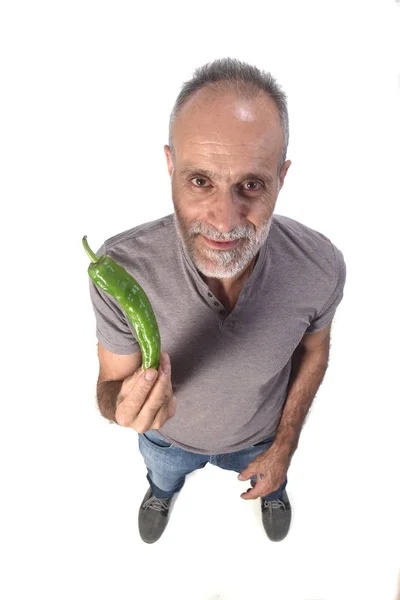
(276, 517)
(153, 517)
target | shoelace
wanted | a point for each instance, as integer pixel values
(271, 504)
(156, 503)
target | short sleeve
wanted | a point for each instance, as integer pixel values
(327, 312)
(112, 328)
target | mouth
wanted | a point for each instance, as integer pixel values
(221, 245)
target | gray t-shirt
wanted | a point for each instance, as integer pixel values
(229, 372)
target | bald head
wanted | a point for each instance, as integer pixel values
(228, 122)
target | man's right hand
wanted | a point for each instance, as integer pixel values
(143, 404)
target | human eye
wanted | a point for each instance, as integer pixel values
(197, 179)
(252, 183)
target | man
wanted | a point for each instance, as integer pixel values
(244, 300)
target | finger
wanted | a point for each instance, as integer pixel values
(160, 418)
(159, 396)
(130, 407)
(130, 382)
(246, 474)
(166, 412)
(172, 407)
(256, 492)
(165, 364)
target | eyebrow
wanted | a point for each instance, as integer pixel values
(212, 175)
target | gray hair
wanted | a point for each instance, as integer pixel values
(245, 79)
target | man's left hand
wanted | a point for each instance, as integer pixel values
(270, 467)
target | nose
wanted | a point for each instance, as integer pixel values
(225, 212)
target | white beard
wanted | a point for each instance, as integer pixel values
(223, 264)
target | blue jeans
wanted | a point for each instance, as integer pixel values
(167, 465)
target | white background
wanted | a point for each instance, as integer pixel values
(86, 92)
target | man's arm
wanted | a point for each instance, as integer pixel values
(310, 362)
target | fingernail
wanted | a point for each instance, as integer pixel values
(150, 374)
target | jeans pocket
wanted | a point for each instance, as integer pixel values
(155, 440)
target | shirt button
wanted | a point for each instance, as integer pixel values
(222, 312)
(216, 303)
(210, 294)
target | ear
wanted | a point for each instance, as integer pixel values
(284, 170)
(170, 162)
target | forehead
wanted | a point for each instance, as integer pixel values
(224, 126)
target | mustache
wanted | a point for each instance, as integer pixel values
(220, 237)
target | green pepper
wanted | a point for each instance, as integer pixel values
(111, 277)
